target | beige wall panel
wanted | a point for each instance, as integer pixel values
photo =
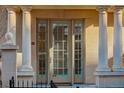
(91, 49)
(19, 59)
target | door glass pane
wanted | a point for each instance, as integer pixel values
(77, 49)
(60, 38)
(42, 48)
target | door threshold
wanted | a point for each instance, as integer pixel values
(63, 84)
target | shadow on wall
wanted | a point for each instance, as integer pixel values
(111, 61)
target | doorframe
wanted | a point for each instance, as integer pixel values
(84, 48)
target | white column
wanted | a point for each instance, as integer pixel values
(117, 39)
(103, 50)
(26, 40)
(11, 24)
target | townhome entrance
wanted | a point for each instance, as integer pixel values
(60, 51)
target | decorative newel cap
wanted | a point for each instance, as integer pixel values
(9, 38)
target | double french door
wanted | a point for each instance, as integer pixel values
(59, 51)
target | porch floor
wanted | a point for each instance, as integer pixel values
(79, 86)
(73, 86)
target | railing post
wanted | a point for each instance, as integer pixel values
(10, 83)
(0, 83)
(52, 84)
(46, 84)
(36, 85)
(13, 82)
(41, 84)
(32, 84)
(27, 83)
(18, 83)
(22, 83)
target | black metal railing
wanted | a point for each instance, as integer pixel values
(29, 84)
(52, 84)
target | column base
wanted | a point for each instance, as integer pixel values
(25, 70)
(110, 79)
(103, 69)
(118, 69)
(25, 74)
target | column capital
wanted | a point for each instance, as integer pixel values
(102, 8)
(118, 9)
(11, 8)
(26, 8)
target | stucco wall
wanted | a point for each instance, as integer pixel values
(91, 49)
